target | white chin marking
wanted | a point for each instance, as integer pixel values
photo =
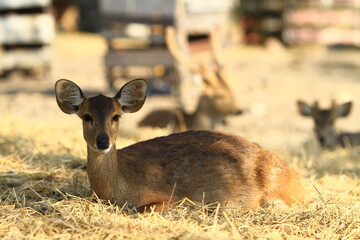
(103, 151)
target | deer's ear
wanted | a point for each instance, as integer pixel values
(68, 96)
(344, 109)
(304, 109)
(132, 95)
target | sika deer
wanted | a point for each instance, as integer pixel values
(324, 120)
(208, 166)
(216, 101)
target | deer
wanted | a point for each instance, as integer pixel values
(324, 120)
(216, 100)
(206, 166)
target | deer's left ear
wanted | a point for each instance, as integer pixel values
(132, 95)
(344, 109)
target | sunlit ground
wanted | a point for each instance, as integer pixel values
(43, 186)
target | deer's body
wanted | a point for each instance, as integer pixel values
(216, 101)
(324, 121)
(201, 165)
(208, 166)
(205, 116)
(164, 118)
(345, 139)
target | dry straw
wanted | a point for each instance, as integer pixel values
(44, 194)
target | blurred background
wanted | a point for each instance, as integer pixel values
(275, 52)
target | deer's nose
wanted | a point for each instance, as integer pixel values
(103, 141)
(322, 141)
(238, 112)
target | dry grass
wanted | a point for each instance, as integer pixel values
(44, 192)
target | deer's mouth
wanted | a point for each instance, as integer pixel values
(102, 144)
(102, 148)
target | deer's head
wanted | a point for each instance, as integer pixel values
(100, 114)
(324, 120)
(217, 95)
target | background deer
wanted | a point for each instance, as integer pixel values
(207, 166)
(216, 100)
(324, 120)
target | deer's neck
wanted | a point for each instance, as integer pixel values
(101, 172)
(204, 116)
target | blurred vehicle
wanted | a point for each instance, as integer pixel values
(26, 34)
(135, 30)
(294, 22)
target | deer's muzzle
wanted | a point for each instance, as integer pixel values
(102, 141)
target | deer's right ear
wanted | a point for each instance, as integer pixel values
(304, 109)
(68, 96)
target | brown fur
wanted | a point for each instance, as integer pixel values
(206, 116)
(209, 166)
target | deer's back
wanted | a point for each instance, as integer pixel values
(349, 139)
(220, 165)
(161, 119)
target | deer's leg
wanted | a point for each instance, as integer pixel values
(154, 207)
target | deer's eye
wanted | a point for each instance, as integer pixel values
(116, 118)
(87, 118)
